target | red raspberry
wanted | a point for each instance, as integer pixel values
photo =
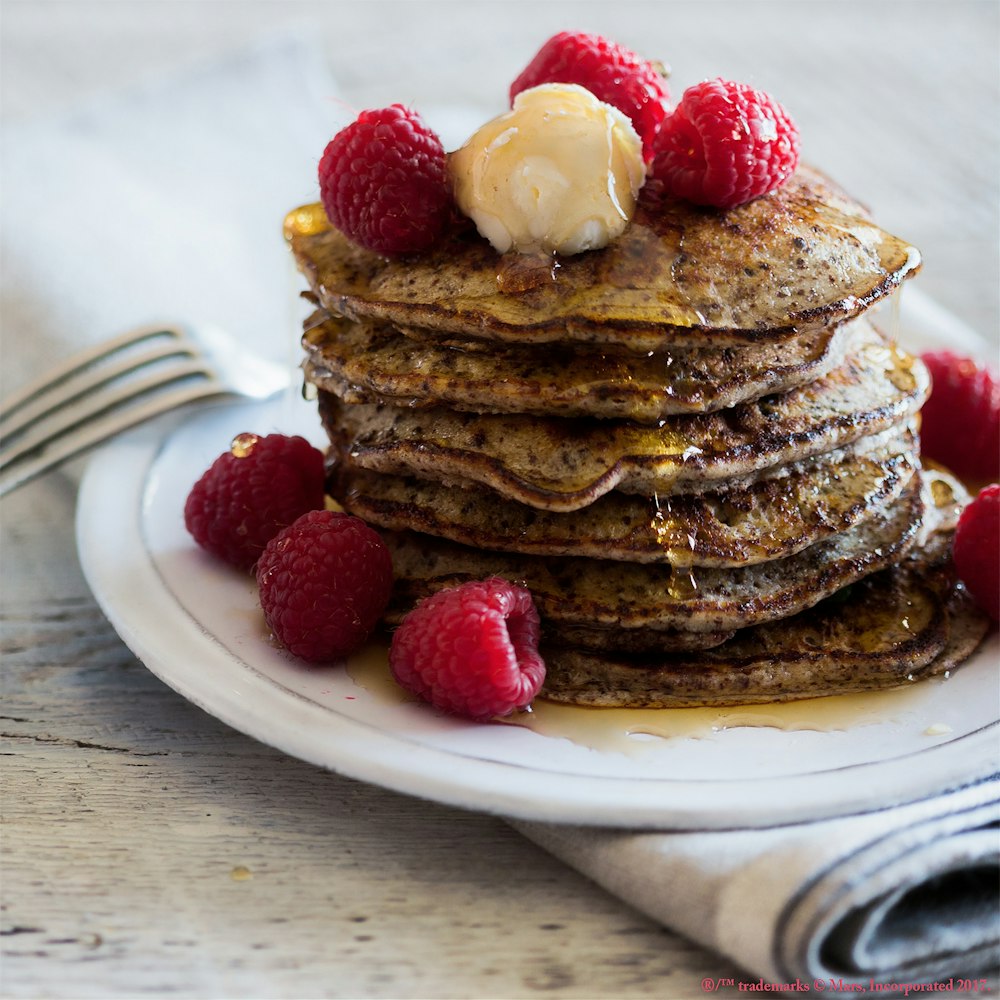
(960, 422)
(251, 492)
(324, 582)
(725, 144)
(384, 182)
(976, 550)
(612, 73)
(471, 650)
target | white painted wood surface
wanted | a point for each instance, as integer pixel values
(151, 851)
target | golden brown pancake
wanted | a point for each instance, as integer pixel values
(801, 258)
(369, 362)
(902, 624)
(632, 640)
(601, 593)
(564, 465)
(771, 518)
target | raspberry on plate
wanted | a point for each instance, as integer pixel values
(251, 492)
(471, 650)
(384, 183)
(960, 422)
(724, 145)
(324, 582)
(976, 550)
(611, 72)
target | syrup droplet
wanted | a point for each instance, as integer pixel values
(682, 585)
(243, 444)
(309, 220)
(938, 729)
(894, 317)
(518, 272)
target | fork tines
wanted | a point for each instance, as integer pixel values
(99, 393)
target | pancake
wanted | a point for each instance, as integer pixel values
(843, 647)
(564, 465)
(801, 258)
(902, 624)
(602, 593)
(631, 640)
(368, 362)
(772, 518)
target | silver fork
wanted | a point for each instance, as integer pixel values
(120, 384)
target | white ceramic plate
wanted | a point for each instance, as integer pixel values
(197, 625)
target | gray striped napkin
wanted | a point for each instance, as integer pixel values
(907, 895)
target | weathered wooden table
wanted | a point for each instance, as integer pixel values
(148, 849)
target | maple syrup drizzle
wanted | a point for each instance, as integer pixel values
(519, 272)
(895, 321)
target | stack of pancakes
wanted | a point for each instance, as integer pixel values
(692, 446)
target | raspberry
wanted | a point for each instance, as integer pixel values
(251, 492)
(471, 650)
(384, 182)
(324, 582)
(725, 144)
(960, 422)
(976, 550)
(612, 73)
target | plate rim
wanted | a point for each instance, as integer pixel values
(116, 485)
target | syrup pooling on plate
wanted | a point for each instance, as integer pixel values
(369, 669)
(636, 731)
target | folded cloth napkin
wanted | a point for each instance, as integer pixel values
(908, 895)
(166, 202)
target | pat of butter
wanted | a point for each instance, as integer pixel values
(559, 173)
